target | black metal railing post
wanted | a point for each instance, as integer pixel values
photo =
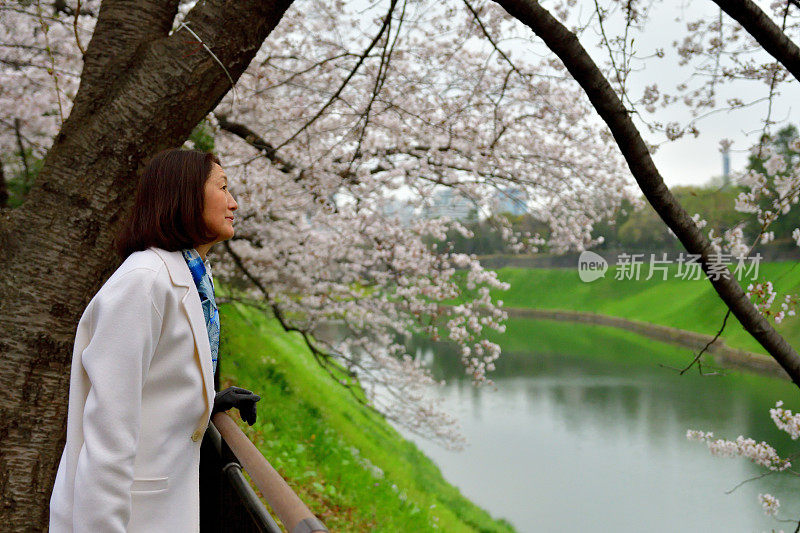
(227, 501)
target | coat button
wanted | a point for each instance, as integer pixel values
(196, 435)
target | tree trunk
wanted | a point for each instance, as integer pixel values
(580, 65)
(3, 188)
(142, 90)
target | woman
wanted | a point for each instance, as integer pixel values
(142, 379)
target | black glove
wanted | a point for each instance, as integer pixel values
(242, 399)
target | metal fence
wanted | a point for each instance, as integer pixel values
(227, 501)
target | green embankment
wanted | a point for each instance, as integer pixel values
(355, 471)
(692, 305)
(352, 469)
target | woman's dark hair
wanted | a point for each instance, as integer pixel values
(168, 209)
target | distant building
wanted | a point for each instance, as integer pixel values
(447, 202)
(513, 200)
(400, 209)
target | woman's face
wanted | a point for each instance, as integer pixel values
(219, 204)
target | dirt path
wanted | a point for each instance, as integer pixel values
(723, 354)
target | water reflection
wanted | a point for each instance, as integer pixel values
(584, 431)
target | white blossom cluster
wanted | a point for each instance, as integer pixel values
(720, 52)
(765, 294)
(785, 420)
(769, 504)
(785, 190)
(734, 242)
(785, 193)
(699, 221)
(731, 241)
(760, 453)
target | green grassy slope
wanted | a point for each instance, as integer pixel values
(351, 468)
(674, 302)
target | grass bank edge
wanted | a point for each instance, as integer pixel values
(691, 305)
(308, 427)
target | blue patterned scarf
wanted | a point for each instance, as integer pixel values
(201, 273)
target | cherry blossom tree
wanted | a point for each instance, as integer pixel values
(321, 136)
(321, 121)
(331, 114)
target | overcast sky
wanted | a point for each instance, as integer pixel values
(693, 160)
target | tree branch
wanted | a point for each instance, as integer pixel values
(256, 141)
(352, 73)
(602, 96)
(768, 34)
(122, 25)
(323, 359)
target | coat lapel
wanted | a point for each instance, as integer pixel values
(181, 276)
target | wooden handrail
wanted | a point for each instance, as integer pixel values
(291, 510)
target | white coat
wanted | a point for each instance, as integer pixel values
(140, 399)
